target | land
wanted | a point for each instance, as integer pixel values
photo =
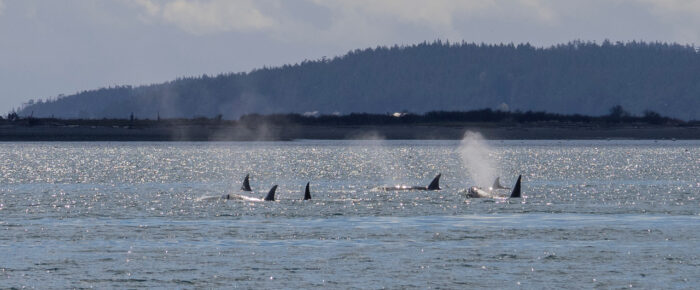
(433, 125)
(294, 131)
(574, 78)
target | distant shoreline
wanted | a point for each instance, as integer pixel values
(340, 132)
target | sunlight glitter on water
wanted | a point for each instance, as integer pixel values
(132, 215)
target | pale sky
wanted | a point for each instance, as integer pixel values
(57, 47)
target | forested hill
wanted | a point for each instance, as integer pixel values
(578, 77)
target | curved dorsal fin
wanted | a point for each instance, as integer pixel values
(516, 188)
(271, 195)
(307, 192)
(435, 184)
(497, 184)
(246, 184)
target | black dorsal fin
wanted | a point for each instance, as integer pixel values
(435, 184)
(497, 184)
(271, 195)
(307, 192)
(246, 184)
(516, 188)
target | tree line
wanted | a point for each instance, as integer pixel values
(578, 77)
(617, 116)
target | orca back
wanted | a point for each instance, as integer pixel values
(516, 188)
(435, 184)
(246, 184)
(307, 192)
(271, 195)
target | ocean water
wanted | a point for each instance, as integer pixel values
(603, 214)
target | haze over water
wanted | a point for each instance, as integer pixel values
(607, 214)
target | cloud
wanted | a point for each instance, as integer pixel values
(2, 6)
(150, 7)
(676, 5)
(441, 14)
(362, 23)
(435, 13)
(679, 15)
(540, 10)
(371, 18)
(206, 17)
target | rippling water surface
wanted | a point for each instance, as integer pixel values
(604, 214)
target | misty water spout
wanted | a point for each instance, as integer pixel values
(477, 158)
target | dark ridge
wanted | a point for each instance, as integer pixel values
(575, 78)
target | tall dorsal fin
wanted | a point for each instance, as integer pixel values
(516, 188)
(246, 184)
(497, 184)
(307, 192)
(435, 184)
(271, 195)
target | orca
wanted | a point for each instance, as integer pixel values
(434, 185)
(246, 184)
(307, 192)
(244, 187)
(516, 189)
(497, 184)
(271, 195)
(477, 192)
